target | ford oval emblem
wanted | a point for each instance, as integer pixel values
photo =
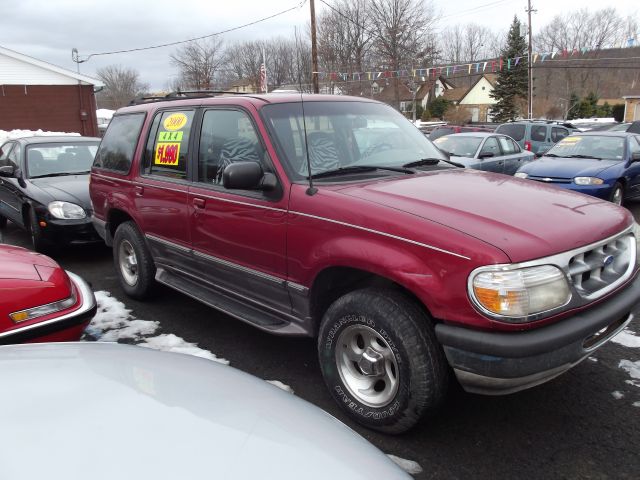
(608, 260)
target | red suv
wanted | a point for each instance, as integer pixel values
(408, 269)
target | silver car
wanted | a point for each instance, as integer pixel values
(485, 151)
(107, 411)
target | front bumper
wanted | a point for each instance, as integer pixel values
(497, 363)
(61, 232)
(601, 191)
(70, 321)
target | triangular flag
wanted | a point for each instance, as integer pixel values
(484, 67)
(508, 64)
(535, 57)
(544, 56)
(517, 61)
(477, 67)
(469, 69)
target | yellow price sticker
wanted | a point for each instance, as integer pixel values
(175, 121)
(167, 154)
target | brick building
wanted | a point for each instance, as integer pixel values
(38, 95)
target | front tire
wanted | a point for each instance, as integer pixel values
(3, 221)
(38, 242)
(617, 194)
(133, 261)
(380, 359)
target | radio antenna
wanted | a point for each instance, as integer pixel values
(311, 190)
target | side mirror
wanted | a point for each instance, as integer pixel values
(247, 176)
(485, 155)
(539, 154)
(7, 171)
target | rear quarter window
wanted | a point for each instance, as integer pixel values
(558, 134)
(119, 143)
(538, 133)
(515, 131)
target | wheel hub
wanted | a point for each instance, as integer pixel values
(371, 363)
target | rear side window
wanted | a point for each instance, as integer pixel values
(538, 133)
(119, 143)
(558, 134)
(169, 155)
(508, 146)
(515, 131)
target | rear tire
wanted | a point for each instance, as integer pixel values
(380, 359)
(133, 261)
(617, 194)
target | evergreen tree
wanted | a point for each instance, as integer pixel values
(511, 85)
(574, 105)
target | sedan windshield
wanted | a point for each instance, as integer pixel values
(50, 159)
(459, 146)
(589, 146)
(346, 134)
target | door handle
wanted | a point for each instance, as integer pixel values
(199, 202)
(138, 191)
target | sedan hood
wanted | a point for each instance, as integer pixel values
(567, 167)
(157, 415)
(525, 219)
(74, 189)
(20, 264)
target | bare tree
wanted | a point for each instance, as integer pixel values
(198, 61)
(121, 85)
(467, 43)
(405, 28)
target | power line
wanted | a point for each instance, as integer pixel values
(475, 9)
(299, 5)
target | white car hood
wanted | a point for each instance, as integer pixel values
(105, 411)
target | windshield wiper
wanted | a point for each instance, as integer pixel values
(59, 174)
(583, 156)
(358, 169)
(431, 161)
(551, 155)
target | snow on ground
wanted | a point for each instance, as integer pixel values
(636, 404)
(633, 369)
(408, 466)
(113, 323)
(593, 359)
(10, 135)
(281, 385)
(617, 395)
(627, 338)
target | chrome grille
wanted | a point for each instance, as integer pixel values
(593, 271)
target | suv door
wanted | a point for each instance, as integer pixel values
(161, 195)
(238, 236)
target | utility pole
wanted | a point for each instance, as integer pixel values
(529, 65)
(314, 48)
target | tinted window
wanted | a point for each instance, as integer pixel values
(515, 131)
(227, 136)
(491, 146)
(538, 133)
(558, 134)
(119, 143)
(508, 146)
(171, 144)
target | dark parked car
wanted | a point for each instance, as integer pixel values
(485, 151)
(602, 164)
(39, 301)
(333, 217)
(44, 188)
(537, 136)
(443, 130)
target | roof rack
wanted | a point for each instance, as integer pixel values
(564, 123)
(181, 95)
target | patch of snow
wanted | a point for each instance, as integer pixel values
(627, 338)
(172, 343)
(593, 359)
(636, 404)
(408, 466)
(281, 385)
(633, 369)
(113, 322)
(617, 395)
(13, 134)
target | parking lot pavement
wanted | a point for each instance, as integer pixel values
(584, 424)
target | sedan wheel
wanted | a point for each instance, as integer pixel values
(617, 195)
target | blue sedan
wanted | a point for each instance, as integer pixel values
(602, 164)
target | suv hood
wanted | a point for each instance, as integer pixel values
(525, 219)
(567, 167)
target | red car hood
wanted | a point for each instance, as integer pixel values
(524, 219)
(20, 264)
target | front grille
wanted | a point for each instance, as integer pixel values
(596, 271)
(551, 179)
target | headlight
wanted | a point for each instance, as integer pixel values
(66, 210)
(514, 295)
(521, 175)
(31, 313)
(588, 181)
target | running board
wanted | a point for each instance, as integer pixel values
(227, 303)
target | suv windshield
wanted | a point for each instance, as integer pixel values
(592, 146)
(44, 160)
(345, 134)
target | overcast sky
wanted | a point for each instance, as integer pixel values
(49, 29)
